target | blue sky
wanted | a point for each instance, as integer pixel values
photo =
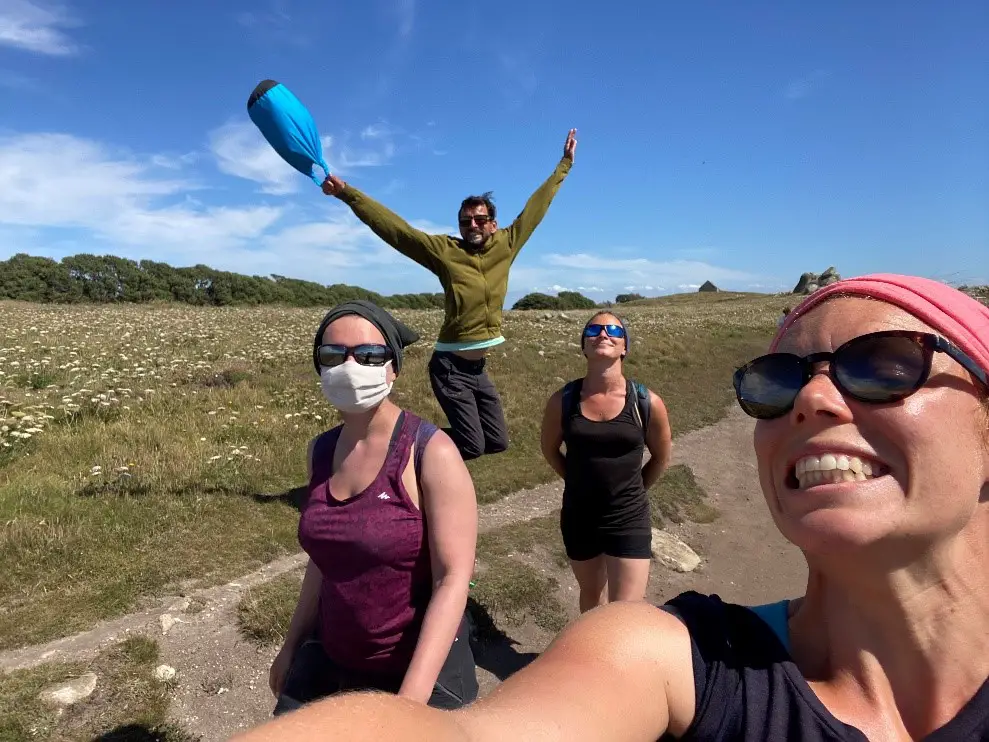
(743, 143)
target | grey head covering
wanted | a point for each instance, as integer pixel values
(397, 335)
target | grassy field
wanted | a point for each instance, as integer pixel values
(127, 703)
(144, 447)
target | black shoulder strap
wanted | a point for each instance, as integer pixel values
(642, 407)
(571, 398)
(643, 402)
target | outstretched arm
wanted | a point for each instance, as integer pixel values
(538, 204)
(426, 249)
(659, 439)
(621, 672)
(449, 507)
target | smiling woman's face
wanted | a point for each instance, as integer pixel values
(840, 474)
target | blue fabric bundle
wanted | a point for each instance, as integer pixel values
(288, 126)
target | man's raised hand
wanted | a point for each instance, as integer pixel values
(571, 144)
(333, 186)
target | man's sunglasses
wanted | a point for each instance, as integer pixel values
(614, 331)
(330, 355)
(481, 219)
(877, 368)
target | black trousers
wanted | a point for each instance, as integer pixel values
(313, 676)
(471, 404)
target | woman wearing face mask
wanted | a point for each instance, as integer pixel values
(390, 525)
(606, 422)
(872, 445)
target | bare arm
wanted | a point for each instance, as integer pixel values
(450, 509)
(621, 672)
(538, 204)
(551, 437)
(659, 439)
(303, 617)
(425, 249)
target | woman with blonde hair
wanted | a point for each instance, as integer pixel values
(872, 445)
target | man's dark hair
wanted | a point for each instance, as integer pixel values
(485, 199)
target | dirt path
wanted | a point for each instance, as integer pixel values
(221, 685)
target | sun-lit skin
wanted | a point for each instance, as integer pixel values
(603, 346)
(924, 448)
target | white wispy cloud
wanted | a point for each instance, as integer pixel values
(804, 86)
(61, 181)
(273, 24)
(604, 277)
(405, 15)
(61, 194)
(36, 27)
(659, 271)
(239, 149)
(517, 79)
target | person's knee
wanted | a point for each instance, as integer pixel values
(496, 445)
(470, 449)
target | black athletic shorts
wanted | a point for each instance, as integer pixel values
(585, 538)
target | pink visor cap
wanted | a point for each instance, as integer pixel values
(956, 315)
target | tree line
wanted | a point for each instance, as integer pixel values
(568, 300)
(107, 279)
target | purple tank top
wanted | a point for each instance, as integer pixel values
(373, 554)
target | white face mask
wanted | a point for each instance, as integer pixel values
(351, 387)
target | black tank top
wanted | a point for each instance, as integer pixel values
(748, 688)
(604, 464)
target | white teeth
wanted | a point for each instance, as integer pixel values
(831, 468)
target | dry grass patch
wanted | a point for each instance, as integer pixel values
(265, 612)
(127, 704)
(677, 497)
(507, 584)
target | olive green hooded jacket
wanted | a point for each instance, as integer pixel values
(474, 280)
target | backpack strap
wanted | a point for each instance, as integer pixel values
(643, 404)
(424, 432)
(571, 398)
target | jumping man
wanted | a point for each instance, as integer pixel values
(473, 271)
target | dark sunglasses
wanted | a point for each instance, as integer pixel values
(614, 331)
(330, 355)
(877, 368)
(481, 219)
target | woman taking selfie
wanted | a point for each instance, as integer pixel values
(872, 445)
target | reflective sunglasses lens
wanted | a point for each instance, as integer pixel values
(615, 331)
(332, 355)
(881, 369)
(768, 386)
(372, 355)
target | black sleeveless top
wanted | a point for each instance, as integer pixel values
(748, 688)
(604, 465)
